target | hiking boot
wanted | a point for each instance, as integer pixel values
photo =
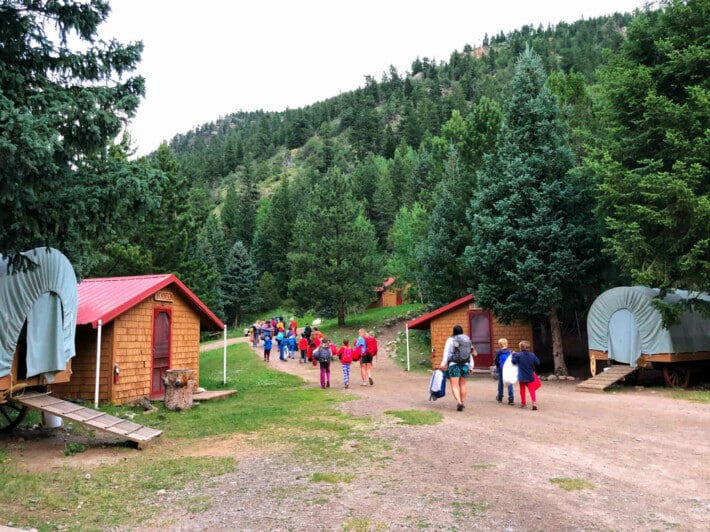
(534, 407)
(371, 381)
(347, 386)
(510, 401)
(459, 408)
(327, 385)
(499, 399)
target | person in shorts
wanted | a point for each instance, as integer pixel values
(456, 372)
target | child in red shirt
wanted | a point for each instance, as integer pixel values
(303, 348)
(345, 354)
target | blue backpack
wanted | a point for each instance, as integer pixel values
(267, 342)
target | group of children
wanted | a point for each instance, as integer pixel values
(312, 347)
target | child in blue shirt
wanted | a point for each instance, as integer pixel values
(501, 356)
(526, 362)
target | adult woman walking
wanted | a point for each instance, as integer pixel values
(458, 362)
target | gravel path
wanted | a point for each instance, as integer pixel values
(645, 460)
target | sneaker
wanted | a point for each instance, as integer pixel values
(499, 399)
(534, 407)
(347, 386)
(510, 401)
(522, 406)
(327, 384)
(371, 381)
(459, 408)
(363, 383)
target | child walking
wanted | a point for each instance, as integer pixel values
(267, 347)
(526, 362)
(324, 356)
(303, 347)
(501, 356)
(346, 358)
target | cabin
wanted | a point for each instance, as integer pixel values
(137, 328)
(387, 295)
(480, 325)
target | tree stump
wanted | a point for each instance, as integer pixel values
(178, 385)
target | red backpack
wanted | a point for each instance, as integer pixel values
(371, 346)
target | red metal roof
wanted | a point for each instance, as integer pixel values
(107, 298)
(422, 322)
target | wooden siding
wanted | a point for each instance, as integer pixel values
(442, 326)
(127, 341)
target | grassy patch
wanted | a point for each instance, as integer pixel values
(694, 396)
(416, 417)
(482, 467)
(362, 524)
(332, 478)
(271, 408)
(572, 484)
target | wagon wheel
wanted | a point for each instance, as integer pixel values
(676, 376)
(11, 415)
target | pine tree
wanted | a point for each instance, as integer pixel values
(60, 108)
(441, 255)
(534, 242)
(335, 264)
(239, 284)
(406, 233)
(653, 161)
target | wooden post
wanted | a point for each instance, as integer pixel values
(178, 385)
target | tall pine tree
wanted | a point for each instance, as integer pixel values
(533, 234)
(335, 265)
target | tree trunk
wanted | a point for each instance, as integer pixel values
(341, 315)
(178, 385)
(558, 355)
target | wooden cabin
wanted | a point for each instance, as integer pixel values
(387, 295)
(142, 326)
(480, 325)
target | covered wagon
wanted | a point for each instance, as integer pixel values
(38, 302)
(623, 326)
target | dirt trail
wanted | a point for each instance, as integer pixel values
(645, 459)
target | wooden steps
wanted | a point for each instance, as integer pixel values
(88, 417)
(603, 380)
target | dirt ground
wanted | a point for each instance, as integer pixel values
(645, 459)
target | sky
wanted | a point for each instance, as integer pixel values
(204, 59)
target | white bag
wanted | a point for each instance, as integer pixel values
(510, 371)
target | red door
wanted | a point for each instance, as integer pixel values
(480, 324)
(161, 350)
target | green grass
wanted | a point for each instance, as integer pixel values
(694, 396)
(274, 409)
(572, 484)
(332, 478)
(416, 417)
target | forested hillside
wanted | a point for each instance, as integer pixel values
(534, 170)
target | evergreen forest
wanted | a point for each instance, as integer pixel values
(535, 171)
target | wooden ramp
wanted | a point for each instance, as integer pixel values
(88, 417)
(603, 380)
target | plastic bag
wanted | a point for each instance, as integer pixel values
(510, 371)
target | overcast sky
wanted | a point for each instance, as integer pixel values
(208, 58)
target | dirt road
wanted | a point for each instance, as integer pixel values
(644, 459)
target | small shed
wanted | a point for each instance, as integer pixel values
(141, 327)
(387, 295)
(480, 325)
(625, 327)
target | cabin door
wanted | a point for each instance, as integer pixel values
(480, 324)
(161, 350)
(624, 339)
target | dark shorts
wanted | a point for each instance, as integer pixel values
(366, 359)
(458, 370)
